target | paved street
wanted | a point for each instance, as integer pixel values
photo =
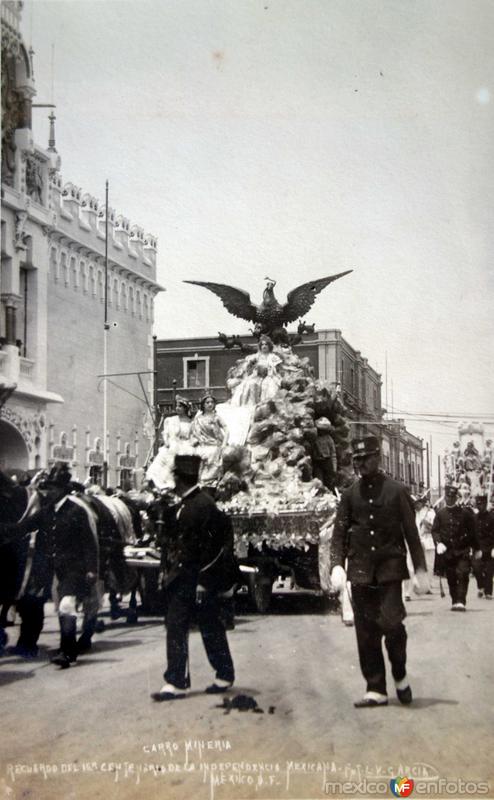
(92, 731)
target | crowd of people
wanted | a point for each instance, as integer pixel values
(281, 433)
(63, 543)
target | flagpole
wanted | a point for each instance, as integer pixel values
(106, 328)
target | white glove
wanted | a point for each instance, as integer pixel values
(422, 585)
(440, 549)
(492, 553)
(338, 579)
(477, 554)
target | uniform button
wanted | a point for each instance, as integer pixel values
(371, 516)
(373, 548)
(372, 533)
(370, 485)
(371, 501)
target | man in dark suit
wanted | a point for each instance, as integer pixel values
(65, 545)
(374, 524)
(484, 567)
(75, 556)
(198, 563)
(455, 538)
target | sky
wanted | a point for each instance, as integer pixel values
(296, 139)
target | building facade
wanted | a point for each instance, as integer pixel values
(192, 367)
(54, 281)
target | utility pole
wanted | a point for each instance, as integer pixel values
(156, 409)
(428, 465)
(106, 328)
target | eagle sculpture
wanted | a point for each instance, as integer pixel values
(270, 317)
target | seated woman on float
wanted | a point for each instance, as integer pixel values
(261, 379)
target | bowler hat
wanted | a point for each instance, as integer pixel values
(187, 466)
(366, 446)
(59, 477)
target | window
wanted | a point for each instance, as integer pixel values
(196, 372)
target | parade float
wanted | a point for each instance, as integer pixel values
(282, 446)
(469, 463)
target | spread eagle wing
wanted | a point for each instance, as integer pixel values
(236, 301)
(300, 300)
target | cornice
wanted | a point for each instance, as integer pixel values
(66, 240)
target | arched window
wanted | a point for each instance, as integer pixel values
(65, 268)
(74, 272)
(125, 297)
(54, 264)
(92, 280)
(84, 276)
(101, 285)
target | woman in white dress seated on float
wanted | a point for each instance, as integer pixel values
(261, 379)
(176, 441)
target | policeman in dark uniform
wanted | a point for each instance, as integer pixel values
(455, 538)
(374, 524)
(197, 559)
(484, 567)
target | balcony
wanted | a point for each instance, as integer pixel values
(26, 369)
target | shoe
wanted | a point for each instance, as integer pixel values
(371, 700)
(218, 687)
(455, 606)
(408, 597)
(168, 692)
(62, 660)
(480, 593)
(488, 597)
(461, 607)
(404, 695)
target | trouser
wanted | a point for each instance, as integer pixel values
(90, 607)
(483, 569)
(181, 608)
(68, 627)
(323, 469)
(32, 613)
(379, 612)
(458, 574)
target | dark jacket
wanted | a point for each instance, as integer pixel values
(197, 543)
(76, 547)
(455, 528)
(65, 543)
(374, 523)
(484, 526)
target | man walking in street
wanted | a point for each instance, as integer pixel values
(75, 557)
(455, 538)
(484, 566)
(374, 523)
(197, 559)
(64, 545)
